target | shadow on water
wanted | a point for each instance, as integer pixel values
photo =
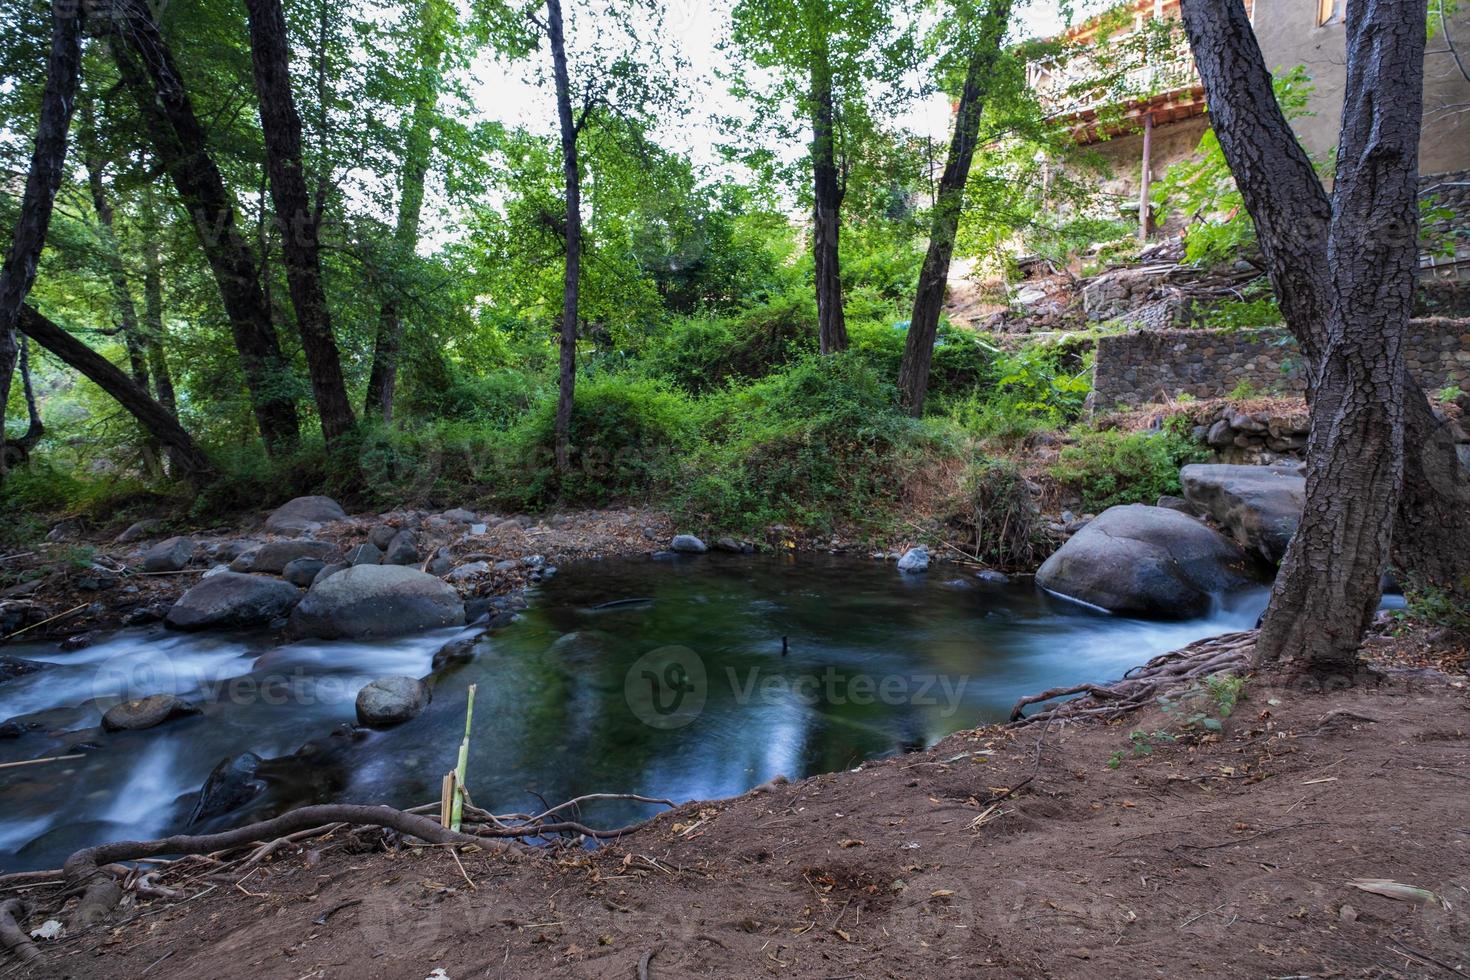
(663, 678)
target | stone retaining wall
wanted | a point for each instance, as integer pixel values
(1137, 368)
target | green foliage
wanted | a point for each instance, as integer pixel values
(1202, 189)
(1109, 467)
(819, 442)
(1242, 314)
(1432, 605)
(1043, 382)
(1197, 713)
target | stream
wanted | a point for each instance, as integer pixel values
(665, 678)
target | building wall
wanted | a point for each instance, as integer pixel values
(1123, 154)
(1288, 34)
(1138, 368)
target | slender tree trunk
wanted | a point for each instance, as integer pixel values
(827, 194)
(572, 277)
(189, 462)
(918, 351)
(148, 70)
(300, 242)
(154, 330)
(1343, 270)
(18, 451)
(417, 148)
(18, 273)
(122, 294)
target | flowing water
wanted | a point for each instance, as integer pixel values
(694, 678)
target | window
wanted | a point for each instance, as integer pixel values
(1328, 12)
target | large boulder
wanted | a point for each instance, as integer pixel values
(376, 600)
(391, 701)
(914, 560)
(1138, 560)
(171, 555)
(1259, 505)
(230, 600)
(155, 709)
(274, 556)
(304, 514)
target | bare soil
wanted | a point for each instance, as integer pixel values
(999, 852)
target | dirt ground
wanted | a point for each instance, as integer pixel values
(1000, 852)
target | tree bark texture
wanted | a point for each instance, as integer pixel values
(567, 380)
(148, 70)
(280, 124)
(827, 194)
(48, 160)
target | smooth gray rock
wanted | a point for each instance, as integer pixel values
(171, 555)
(1174, 503)
(230, 600)
(304, 513)
(473, 570)
(688, 544)
(992, 577)
(401, 550)
(914, 560)
(1259, 505)
(327, 571)
(382, 535)
(376, 600)
(274, 556)
(391, 701)
(302, 571)
(459, 515)
(132, 716)
(442, 562)
(366, 553)
(230, 550)
(729, 545)
(1146, 561)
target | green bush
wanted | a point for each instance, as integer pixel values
(626, 436)
(1108, 468)
(819, 442)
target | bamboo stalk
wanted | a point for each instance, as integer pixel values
(457, 807)
(43, 622)
(37, 762)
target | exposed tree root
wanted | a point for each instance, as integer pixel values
(1230, 653)
(12, 936)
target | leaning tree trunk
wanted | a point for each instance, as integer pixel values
(18, 451)
(918, 350)
(384, 375)
(300, 242)
(827, 194)
(572, 277)
(1345, 289)
(148, 70)
(18, 274)
(188, 460)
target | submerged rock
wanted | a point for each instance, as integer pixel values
(914, 560)
(1259, 505)
(1146, 561)
(230, 600)
(304, 514)
(376, 600)
(133, 716)
(229, 786)
(688, 544)
(391, 701)
(13, 667)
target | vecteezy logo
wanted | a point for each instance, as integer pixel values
(666, 688)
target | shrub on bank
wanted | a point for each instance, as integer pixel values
(1110, 467)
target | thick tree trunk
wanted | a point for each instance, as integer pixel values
(416, 151)
(178, 139)
(300, 243)
(1344, 272)
(918, 351)
(827, 194)
(571, 280)
(189, 462)
(18, 274)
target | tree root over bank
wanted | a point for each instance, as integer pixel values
(1229, 653)
(99, 875)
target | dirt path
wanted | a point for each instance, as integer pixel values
(1231, 857)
